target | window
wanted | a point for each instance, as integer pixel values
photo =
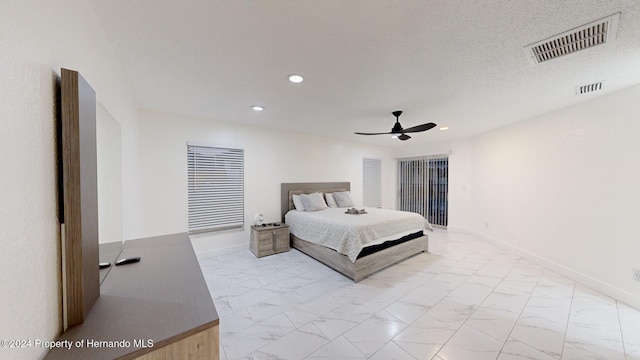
(423, 187)
(372, 182)
(216, 188)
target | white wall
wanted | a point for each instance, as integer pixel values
(36, 39)
(559, 189)
(271, 158)
(562, 188)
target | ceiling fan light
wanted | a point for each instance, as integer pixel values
(257, 108)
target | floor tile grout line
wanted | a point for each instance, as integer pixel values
(310, 322)
(271, 342)
(387, 343)
(624, 348)
(566, 328)
(283, 293)
(265, 345)
(520, 315)
(467, 319)
(521, 311)
(395, 316)
(468, 276)
(223, 350)
(483, 301)
(257, 323)
(390, 340)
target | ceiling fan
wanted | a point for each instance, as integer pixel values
(401, 133)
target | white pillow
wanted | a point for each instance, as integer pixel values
(343, 199)
(331, 202)
(313, 202)
(297, 202)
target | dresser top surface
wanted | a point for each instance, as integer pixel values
(162, 298)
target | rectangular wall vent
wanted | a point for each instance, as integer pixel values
(589, 88)
(583, 37)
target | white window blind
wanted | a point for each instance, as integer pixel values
(216, 188)
(423, 187)
(372, 182)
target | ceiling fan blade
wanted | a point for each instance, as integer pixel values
(399, 132)
(384, 133)
(419, 128)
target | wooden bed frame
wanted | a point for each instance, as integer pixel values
(363, 266)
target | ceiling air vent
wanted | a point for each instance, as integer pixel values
(583, 37)
(585, 89)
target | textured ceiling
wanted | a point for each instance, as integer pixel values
(459, 63)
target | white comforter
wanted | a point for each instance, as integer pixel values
(348, 234)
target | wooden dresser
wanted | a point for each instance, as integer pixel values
(269, 239)
(158, 308)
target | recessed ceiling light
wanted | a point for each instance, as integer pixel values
(257, 107)
(444, 128)
(296, 79)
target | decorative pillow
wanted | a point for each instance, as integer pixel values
(343, 199)
(313, 202)
(331, 202)
(297, 202)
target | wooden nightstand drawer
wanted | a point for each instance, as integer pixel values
(268, 240)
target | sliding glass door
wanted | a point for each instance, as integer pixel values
(423, 187)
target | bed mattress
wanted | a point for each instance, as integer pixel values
(348, 234)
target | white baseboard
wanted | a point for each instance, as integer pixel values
(223, 251)
(460, 229)
(572, 274)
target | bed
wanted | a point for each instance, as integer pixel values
(373, 257)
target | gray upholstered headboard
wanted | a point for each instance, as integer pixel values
(288, 189)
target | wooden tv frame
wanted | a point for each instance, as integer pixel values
(81, 275)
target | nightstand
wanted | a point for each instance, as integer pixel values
(268, 240)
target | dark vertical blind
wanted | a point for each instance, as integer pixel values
(423, 187)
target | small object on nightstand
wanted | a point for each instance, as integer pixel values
(258, 219)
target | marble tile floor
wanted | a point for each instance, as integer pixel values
(466, 299)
